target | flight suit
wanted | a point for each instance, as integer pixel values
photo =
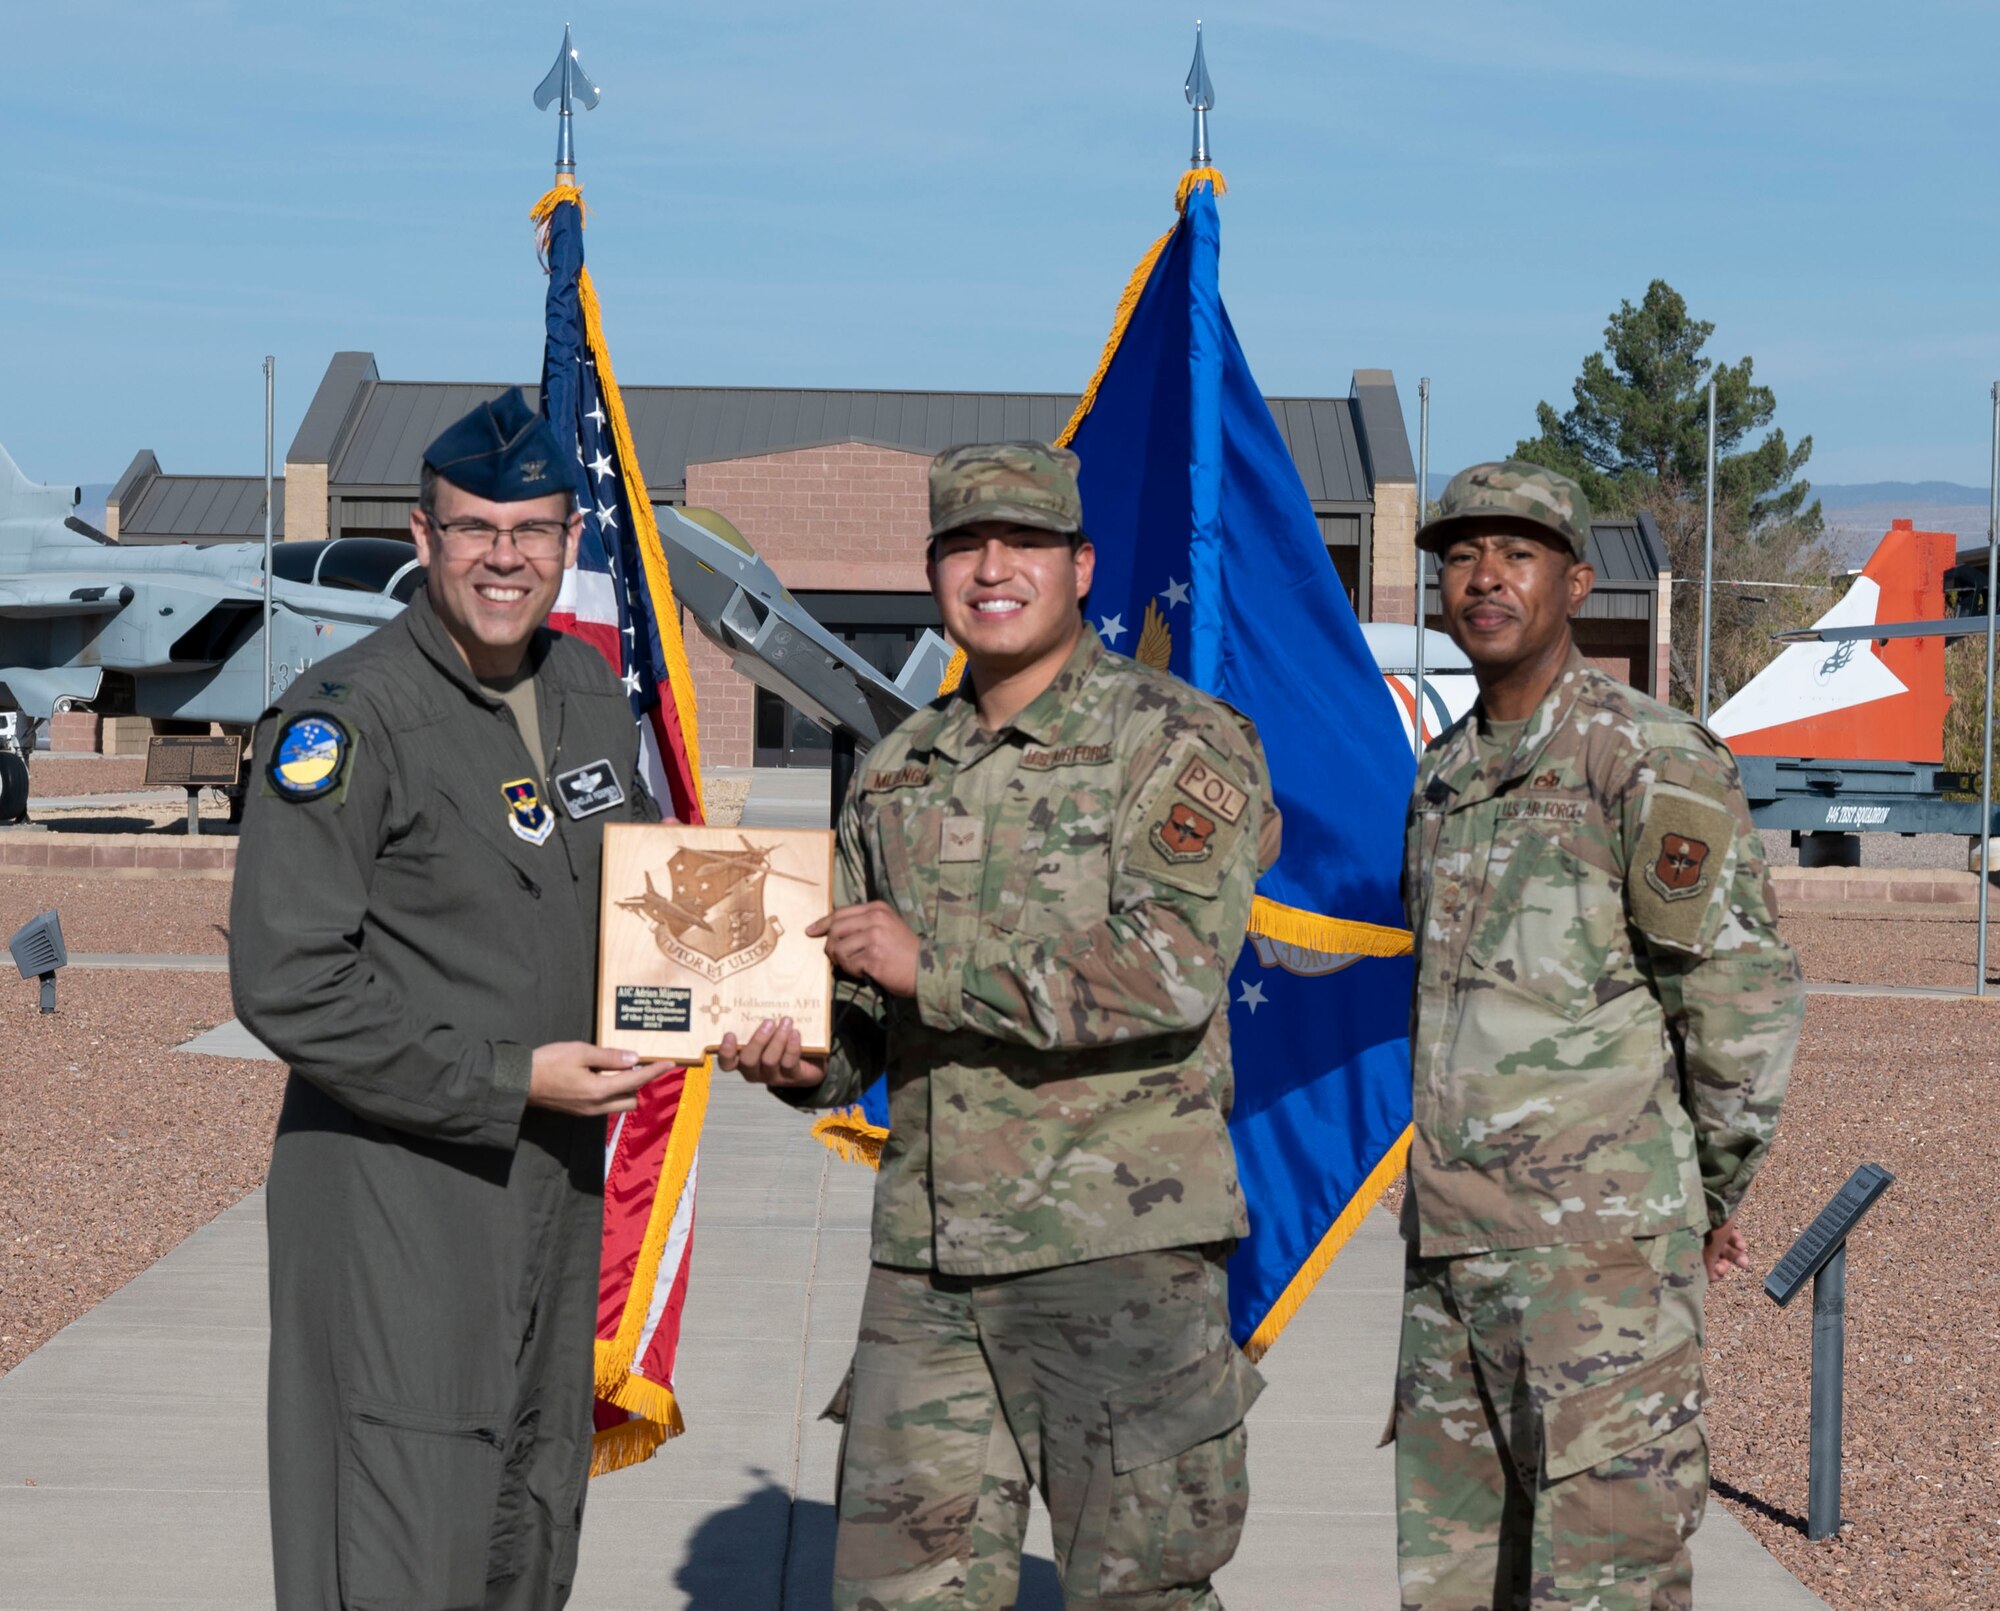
(401, 939)
(1603, 1030)
(1058, 1190)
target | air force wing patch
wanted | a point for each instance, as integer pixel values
(1683, 855)
(526, 815)
(309, 758)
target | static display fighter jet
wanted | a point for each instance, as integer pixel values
(173, 632)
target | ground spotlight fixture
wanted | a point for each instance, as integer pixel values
(38, 951)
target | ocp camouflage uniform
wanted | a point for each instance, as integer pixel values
(1603, 1031)
(1058, 1189)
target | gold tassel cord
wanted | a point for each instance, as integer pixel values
(1335, 936)
(1128, 302)
(1300, 1287)
(626, 1444)
(954, 673)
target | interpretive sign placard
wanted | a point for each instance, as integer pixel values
(702, 934)
(1822, 1238)
(194, 761)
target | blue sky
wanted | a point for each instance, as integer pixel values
(950, 194)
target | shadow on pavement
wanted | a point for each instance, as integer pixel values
(1763, 1507)
(734, 1547)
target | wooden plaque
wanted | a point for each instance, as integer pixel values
(194, 760)
(702, 933)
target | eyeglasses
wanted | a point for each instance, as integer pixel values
(533, 539)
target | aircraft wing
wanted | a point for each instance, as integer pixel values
(1958, 627)
(32, 598)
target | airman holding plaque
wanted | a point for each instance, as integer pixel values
(1042, 882)
(414, 930)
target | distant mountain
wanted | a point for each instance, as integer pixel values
(1907, 494)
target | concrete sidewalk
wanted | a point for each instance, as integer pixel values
(132, 1446)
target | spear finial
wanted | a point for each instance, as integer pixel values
(568, 83)
(1200, 96)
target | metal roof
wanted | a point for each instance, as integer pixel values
(1627, 550)
(674, 426)
(200, 506)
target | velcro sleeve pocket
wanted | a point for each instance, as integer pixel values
(1160, 1419)
(1584, 1429)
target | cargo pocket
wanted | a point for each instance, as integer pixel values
(418, 1490)
(1179, 1484)
(1627, 1471)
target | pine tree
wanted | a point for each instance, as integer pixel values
(1639, 426)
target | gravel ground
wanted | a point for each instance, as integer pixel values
(1895, 950)
(58, 775)
(114, 1148)
(1909, 1085)
(181, 916)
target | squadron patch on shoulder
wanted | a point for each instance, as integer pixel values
(1679, 863)
(1183, 835)
(526, 815)
(309, 758)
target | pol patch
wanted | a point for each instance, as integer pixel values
(309, 757)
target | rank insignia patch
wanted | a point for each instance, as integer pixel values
(309, 758)
(526, 815)
(1182, 836)
(589, 790)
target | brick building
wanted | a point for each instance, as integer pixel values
(830, 486)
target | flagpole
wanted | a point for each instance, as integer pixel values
(1708, 564)
(1986, 742)
(270, 394)
(1423, 479)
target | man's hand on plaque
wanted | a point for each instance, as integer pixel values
(573, 1076)
(871, 942)
(770, 1056)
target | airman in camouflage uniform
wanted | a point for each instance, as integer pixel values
(1043, 882)
(1603, 1030)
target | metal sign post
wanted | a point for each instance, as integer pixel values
(1708, 562)
(1821, 1254)
(270, 395)
(1986, 741)
(1423, 495)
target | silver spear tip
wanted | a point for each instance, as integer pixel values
(569, 84)
(1201, 96)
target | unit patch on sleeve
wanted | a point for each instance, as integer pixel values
(309, 758)
(1183, 834)
(1681, 860)
(589, 790)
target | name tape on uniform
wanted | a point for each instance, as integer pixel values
(589, 790)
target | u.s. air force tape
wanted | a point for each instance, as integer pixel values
(310, 756)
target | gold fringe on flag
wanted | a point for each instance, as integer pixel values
(651, 555)
(628, 1443)
(1299, 1288)
(853, 1137)
(1335, 936)
(1135, 287)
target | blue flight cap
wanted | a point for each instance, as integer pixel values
(502, 451)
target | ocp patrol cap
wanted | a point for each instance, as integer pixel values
(1023, 483)
(1509, 491)
(502, 451)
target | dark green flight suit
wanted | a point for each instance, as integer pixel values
(434, 1242)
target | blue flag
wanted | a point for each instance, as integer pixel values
(1211, 564)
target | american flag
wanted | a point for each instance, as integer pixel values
(618, 599)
